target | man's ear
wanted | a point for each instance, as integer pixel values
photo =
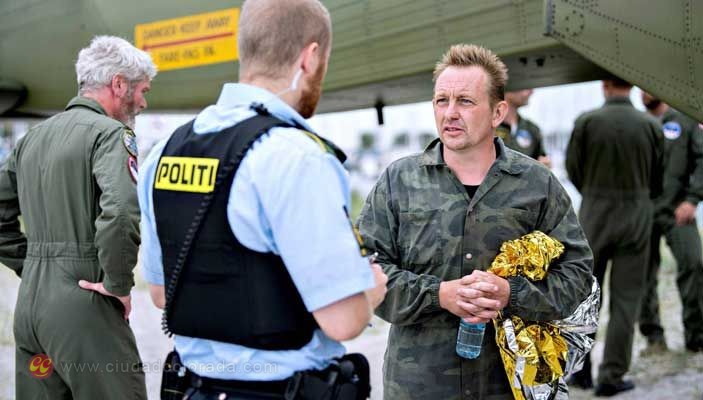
(310, 57)
(119, 85)
(499, 112)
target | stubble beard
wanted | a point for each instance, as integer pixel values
(129, 120)
(128, 108)
(466, 143)
(311, 96)
(457, 144)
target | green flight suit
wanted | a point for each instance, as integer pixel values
(615, 159)
(526, 138)
(70, 179)
(427, 230)
(683, 181)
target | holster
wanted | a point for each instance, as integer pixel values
(347, 378)
(175, 378)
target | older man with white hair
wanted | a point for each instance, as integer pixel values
(72, 178)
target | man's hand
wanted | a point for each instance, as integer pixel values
(378, 292)
(448, 298)
(483, 295)
(685, 213)
(98, 287)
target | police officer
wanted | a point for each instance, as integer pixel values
(616, 213)
(521, 134)
(675, 219)
(73, 177)
(246, 237)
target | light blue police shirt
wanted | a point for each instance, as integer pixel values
(288, 198)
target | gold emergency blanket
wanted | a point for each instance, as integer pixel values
(533, 353)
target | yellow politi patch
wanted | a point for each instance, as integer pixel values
(186, 174)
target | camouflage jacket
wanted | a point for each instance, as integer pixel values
(683, 172)
(426, 230)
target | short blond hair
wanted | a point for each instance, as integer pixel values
(272, 33)
(471, 55)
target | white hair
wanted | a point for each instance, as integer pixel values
(108, 56)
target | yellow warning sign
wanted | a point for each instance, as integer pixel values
(186, 174)
(190, 41)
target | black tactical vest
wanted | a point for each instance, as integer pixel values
(225, 291)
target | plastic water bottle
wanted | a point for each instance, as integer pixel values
(469, 339)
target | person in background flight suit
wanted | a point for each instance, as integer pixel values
(521, 134)
(616, 213)
(72, 178)
(675, 219)
(276, 277)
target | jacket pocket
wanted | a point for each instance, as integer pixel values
(420, 237)
(505, 224)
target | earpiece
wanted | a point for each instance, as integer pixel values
(294, 83)
(296, 78)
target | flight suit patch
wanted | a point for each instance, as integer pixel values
(133, 168)
(672, 130)
(523, 138)
(129, 139)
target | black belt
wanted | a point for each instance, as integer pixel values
(347, 378)
(268, 387)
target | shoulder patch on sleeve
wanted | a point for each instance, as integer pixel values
(672, 130)
(316, 139)
(523, 137)
(129, 139)
(357, 234)
(133, 168)
(503, 131)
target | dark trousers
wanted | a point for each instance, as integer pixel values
(685, 244)
(618, 231)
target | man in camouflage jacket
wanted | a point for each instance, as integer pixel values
(438, 219)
